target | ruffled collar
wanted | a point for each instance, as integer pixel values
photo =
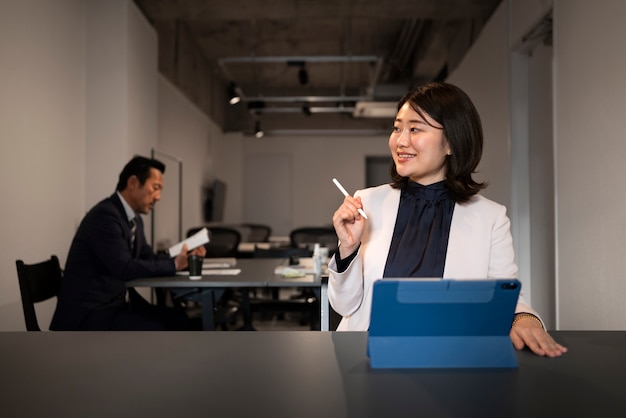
(436, 191)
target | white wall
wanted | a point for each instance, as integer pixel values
(121, 92)
(42, 137)
(484, 75)
(228, 157)
(590, 144)
(187, 134)
(541, 241)
(314, 162)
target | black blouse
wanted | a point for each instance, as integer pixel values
(420, 237)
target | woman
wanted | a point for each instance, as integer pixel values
(430, 221)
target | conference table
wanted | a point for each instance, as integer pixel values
(293, 374)
(238, 273)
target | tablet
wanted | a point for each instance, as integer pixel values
(442, 323)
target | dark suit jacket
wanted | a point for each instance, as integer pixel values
(99, 263)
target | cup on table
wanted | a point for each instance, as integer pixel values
(195, 266)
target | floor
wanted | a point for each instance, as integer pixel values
(288, 321)
(266, 317)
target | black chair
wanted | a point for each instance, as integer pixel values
(223, 241)
(309, 236)
(258, 232)
(38, 282)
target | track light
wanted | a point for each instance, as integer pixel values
(258, 132)
(234, 95)
(303, 76)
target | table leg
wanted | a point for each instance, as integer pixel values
(208, 299)
(322, 295)
(247, 310)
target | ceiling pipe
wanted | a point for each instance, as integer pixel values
(317, 59)
(310, 99)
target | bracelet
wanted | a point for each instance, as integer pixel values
(525, 315)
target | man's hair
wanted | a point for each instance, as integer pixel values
(139, 167)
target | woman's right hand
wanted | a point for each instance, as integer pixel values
(349, 225)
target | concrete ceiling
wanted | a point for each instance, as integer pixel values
(310, 66)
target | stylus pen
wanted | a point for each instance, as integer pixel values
(345, 193)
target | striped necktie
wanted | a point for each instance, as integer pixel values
(133, 232)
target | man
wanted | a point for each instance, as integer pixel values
(110, 248)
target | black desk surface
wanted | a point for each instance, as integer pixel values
(292, 374)
(256, 272)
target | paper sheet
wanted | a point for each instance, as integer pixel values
(199, 238)
(216, 263)
(214, 272)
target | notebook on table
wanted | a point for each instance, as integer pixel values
(442, 323)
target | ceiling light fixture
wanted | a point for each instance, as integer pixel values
(234, 95)
(303, 76)
(258, 132)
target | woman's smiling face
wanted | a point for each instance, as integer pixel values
(418, 147)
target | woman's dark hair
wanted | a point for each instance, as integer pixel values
(139, 167)
(449, 106)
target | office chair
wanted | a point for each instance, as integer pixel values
(309, 236)
(258, 232)
(223, 241)
(38, 282)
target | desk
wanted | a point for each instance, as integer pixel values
(254, 273)
(292, 374)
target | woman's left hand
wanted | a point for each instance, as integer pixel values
(527, 332)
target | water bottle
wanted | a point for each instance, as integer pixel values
(317, 260)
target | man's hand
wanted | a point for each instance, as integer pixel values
(181, 259)
(201, 251)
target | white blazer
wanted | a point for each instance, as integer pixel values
(480, 246)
